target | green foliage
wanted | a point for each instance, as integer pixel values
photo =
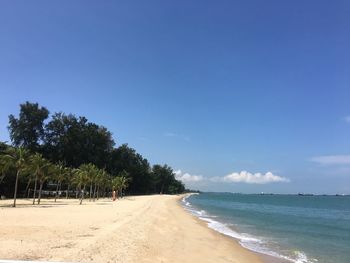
(77, 141)
(28, 129)
(71, 151)
(164, 180)
(37, 166)
(83, 175)
(3, 147)
(121, 182)
(16, 159)
(126, 159)
(4, 164)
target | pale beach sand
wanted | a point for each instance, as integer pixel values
(135, 229)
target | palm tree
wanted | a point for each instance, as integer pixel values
(101, 180)
(29, 176)
(60, 177)
(69, 178)
(120, 183)
(124, 185)
(37, 165)
(97, 180)
(93, 172)
(2, 172)
(81, 178)
(5, 167)
(17, 158)
(107, 184)
(116, 184)
(3, 164)
(124, 181)
(49, 171)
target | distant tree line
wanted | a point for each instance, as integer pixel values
(68, 151)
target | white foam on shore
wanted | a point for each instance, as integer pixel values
(245, 240)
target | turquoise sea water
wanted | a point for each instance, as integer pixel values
(296, 228)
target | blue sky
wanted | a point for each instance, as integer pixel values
(212, 88)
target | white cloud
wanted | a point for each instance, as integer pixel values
(249, 178)
(186, 177)
(331, 159)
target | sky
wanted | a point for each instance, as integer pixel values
(241, 96)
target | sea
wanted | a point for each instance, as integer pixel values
(296, 228)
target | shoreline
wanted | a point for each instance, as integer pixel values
(153, 228)
(264, 257)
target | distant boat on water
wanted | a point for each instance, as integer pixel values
(301, 194)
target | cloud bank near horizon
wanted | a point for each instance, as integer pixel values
(242, 177)
(186, 177)
(251, 178)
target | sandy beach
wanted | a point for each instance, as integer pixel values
(135, 229)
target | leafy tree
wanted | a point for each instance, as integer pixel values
(82, 178)
(101, 175)
(115, 183)
(29, 176)
(126, 159)
(62, 139)
(176, 187)
(37, 164)
(105, 182)
(120, 183)
(77, 141)
(49, 171)
(16, 158)
(69, 178)
(60, 176)
(92, 172)
(3, 147)
(4, 165)
(28, 129)
(124, 181)
(3, 169)
(163, 176)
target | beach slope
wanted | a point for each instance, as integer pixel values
(135, 229)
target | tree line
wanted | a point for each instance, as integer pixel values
(72, 154)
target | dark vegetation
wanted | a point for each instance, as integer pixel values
(68, 154)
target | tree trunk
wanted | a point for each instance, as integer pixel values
(94, 195)
(40, 189)
(16, 185)
(35, 185)
(67, 191)
(59, 190)
(56, 191)
(82, 195)
(76, 192)
(98, 192)
(27, 187)
(90, 193)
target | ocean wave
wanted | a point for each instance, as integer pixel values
(245, 240)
